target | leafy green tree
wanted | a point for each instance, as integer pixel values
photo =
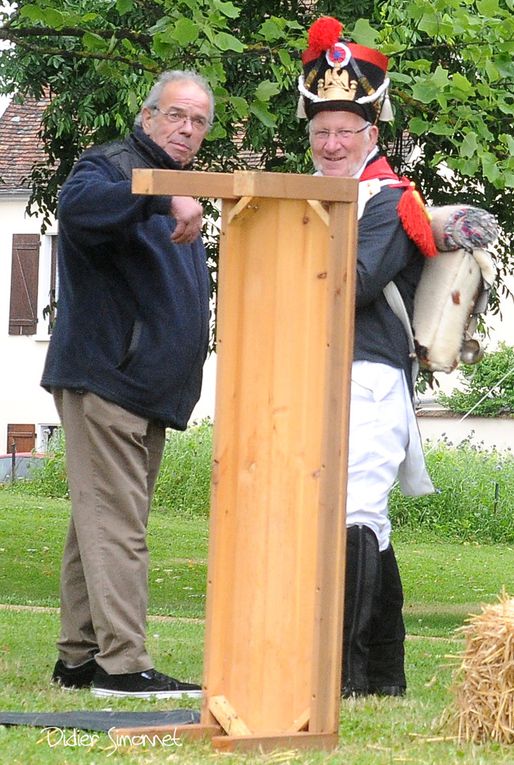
(453, 76)
(451, 69)
(488, 387)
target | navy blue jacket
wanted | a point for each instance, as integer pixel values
(133, 307)
(385, 252)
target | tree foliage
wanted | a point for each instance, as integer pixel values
(451, 67)
(488, 387)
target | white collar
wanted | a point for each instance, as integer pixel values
(372, 154)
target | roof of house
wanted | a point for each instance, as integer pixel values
(20, 146)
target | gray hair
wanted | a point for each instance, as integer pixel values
(176, 75)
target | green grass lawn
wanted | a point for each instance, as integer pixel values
(444, 583)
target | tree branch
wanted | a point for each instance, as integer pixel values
(16, 33)
(90, 55)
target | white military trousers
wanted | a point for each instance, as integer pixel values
(384, 446)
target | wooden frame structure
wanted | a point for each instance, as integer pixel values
(275, 587)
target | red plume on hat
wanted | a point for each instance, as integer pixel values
(323, 34)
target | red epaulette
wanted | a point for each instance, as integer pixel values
(416, 220)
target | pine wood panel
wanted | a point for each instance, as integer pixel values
(277, 528)
(243, 183)
(273, 344)
(331, 553)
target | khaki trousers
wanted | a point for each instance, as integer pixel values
(113, 459)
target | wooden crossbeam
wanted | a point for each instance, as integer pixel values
(227, 717)
(264, 743)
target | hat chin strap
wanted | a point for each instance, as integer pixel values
(375, 95)
(303, 90)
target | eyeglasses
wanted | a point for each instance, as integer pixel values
(322, 136)
(177, 115)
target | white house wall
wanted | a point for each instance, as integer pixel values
(22, 400)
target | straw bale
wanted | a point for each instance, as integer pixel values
(484, 682)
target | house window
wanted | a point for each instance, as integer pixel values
(21, 438)
(48, 287)
(24, 284)
(45, 432)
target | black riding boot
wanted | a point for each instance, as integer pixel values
(362, 586)
(386, 673)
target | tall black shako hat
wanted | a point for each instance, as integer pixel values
(339, 75)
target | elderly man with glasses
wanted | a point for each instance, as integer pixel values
(125, 362)
(343, 94)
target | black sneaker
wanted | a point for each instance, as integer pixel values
(142, 685)
(74, 677)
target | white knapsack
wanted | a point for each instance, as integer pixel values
(453, 289)
(454, 285)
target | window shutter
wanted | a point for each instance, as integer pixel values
(24, 436)
(24, 282)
